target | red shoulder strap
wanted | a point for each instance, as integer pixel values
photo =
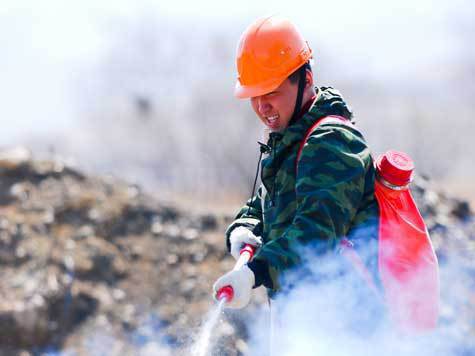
(321, 121)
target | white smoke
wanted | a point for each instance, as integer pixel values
(336, 316)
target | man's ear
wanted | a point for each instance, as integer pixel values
(308, 78)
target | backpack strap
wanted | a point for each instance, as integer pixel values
(330, 119)
(346, 249)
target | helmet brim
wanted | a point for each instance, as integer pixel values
(250, 91)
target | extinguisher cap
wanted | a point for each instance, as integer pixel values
(395, 167)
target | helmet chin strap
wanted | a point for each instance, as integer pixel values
(301, 87)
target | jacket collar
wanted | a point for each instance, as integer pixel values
(328, 101)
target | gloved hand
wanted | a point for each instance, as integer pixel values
(242, 281)
(241, 236)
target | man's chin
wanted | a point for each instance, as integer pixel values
(274, 128)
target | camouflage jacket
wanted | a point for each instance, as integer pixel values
(327, 196)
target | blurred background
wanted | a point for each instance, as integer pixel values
(144, 89)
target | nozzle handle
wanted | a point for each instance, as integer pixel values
(250, 249)
(247, 252)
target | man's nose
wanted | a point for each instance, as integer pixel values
(263, 106)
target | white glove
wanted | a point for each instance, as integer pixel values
(241, 236)
(242, 281)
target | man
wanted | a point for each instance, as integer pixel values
(317, 181)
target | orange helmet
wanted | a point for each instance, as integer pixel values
(268, 52)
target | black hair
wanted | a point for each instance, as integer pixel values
(294, 77)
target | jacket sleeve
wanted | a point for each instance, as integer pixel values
(249, 216)
(330, 183)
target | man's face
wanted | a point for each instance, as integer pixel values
(275, 109)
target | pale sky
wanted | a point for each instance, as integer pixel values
(44, 43)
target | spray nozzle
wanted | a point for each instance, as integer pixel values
(227, 293)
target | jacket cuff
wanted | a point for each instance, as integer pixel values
(261, 273)
(254, 228)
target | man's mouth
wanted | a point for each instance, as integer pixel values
(272, 120)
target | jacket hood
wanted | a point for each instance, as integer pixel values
(331, 102)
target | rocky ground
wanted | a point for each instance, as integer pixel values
(94, 266)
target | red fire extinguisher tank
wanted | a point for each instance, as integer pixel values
(407, 262)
